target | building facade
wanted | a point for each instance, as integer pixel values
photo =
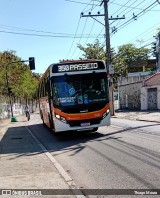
(129, 89)
(150, 93)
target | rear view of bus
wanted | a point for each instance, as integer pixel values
(79, 95)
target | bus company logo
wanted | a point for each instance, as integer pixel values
(77, 67)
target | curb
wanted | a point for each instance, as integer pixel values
(148, 120)
(137, 119)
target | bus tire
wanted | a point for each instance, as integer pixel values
(55, 133)
(94, 129)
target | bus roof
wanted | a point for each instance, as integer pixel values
(75, 61)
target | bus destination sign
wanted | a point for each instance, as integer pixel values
(70, 67)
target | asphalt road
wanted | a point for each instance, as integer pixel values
(125, 155)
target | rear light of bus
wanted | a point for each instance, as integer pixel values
(60, 118)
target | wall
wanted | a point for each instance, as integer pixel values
(130, 90)
(153, 82)
(17, 106)
(129, 96)
(116, 100)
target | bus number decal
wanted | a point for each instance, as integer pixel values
(77, 67)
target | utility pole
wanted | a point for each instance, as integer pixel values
(108, 57)
(158, 53)
(108, 50)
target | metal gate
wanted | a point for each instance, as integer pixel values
(152, 98)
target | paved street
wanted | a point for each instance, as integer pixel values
(125, 155)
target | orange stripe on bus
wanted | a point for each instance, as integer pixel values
(82, 116)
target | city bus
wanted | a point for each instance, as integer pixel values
(74, 96)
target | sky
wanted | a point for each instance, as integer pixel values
(50, 30)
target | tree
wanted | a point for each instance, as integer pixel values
(21, 80)
(93, 51)
(129, 59)
(125, 60)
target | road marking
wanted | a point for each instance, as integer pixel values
(63, 173)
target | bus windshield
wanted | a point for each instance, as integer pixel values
(71, 90)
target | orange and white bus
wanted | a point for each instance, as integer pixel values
(74, 96)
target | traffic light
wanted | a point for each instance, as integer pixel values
(31, 63)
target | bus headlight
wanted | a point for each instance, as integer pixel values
(106, 113)
(60, 118)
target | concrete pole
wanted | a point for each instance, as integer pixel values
(108, 56)
(158, 51)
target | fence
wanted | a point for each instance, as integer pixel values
(17, 106)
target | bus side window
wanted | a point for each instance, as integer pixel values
(44, 89)
(47, 87)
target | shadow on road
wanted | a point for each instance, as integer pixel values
(18, 140)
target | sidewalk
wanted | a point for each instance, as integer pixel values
(149, 116)
(24, 164)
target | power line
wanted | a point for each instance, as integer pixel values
(136, 16)
(120, 8)
(77, 28)
(29, 30)
(38, 31)
(87, 6)
(87, 37)
(45, 35)
(147, 31)
(72, 1)
(74, 38)
(93, 7)
(81, 36)
(119, 22)
(127, 11)
(132, 7)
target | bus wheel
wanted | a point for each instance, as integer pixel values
(55, 133)
(94, 129)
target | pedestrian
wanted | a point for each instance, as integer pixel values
(27, 112)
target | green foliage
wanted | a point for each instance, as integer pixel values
(21, 80)
(93, 51)
(129, 58)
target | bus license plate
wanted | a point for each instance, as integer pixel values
(85, 124)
